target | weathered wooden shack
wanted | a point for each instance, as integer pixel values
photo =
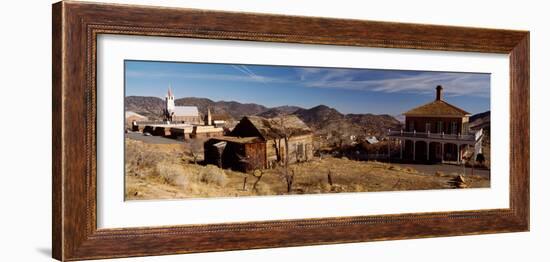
(238, 153)
(273, 131)
(270, 134)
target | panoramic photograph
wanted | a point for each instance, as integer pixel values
(201, 130)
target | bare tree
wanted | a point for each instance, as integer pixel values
(317, 147)
(285, 133)
(286, 136)
(277, 146)
(339, 140)
(287, 175)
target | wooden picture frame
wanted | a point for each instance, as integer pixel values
(76, 26)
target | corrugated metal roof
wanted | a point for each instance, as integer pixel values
(186, 111)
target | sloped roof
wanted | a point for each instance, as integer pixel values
(436, 108)
(220, 116)
(240, 140)
(277, 127)
(186, 111)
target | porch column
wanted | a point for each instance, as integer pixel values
(427, 150)
(401, 149)
(414, 150)
(442, 152)
(458, 154)
(473, 157)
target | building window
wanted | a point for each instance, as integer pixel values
(454, 128)
(411, 126)
(300, 150)
(428, 128)
(439, 126)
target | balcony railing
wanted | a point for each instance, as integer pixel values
(467, 137)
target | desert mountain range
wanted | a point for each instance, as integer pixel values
(322, 119)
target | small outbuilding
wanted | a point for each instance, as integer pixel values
(261, 143)
(237, 153)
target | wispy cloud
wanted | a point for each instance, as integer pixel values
(376, 91)
(419, 82)
(244, 69)
(248, 76)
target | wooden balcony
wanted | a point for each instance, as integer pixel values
(470, 138)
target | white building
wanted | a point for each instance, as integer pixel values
(184, 114)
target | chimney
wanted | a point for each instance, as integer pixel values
(439, 93)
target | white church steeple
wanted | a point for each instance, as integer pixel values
(170, 104)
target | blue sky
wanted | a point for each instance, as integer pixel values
(348, 90)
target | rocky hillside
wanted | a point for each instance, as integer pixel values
(328, 121)
(145, 105)
(323, 119)
(152, 106)
(376, 123)
(319, 116)
(481, 120)
(235, 109)
(277, 111)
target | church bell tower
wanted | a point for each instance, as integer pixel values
(170, 105)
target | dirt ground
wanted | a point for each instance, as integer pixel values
(168, 171)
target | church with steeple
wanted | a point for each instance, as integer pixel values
(179, 114)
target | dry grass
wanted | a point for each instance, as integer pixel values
(165, 172)
(213, 175)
